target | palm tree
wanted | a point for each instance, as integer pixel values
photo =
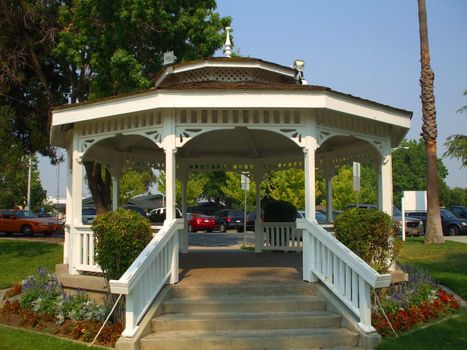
(434, 233)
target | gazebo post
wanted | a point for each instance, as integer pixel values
(76, 206)
(259, 238)
(67, 245)
(115, 187)
(328, 173)
(183, 237)
(384, 171)
(310, 208)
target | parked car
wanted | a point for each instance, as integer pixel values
(200, 222)
(459, 211)
(88, 214)
(250, 221)
(26, 222)
(451, 224)
(319, 216)
(135, 208)
(158, 215)
(206, 208)
(227, 219)
(413, 226)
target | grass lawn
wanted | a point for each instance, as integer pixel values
(450, 334)
(446, 262)
(13, 339)
(22, 258)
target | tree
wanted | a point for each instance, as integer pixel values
(408, 168)
(58, 51)
(434, 233)
(456, 147)
(342, 188)
(134, 182)
(232, 190)
(14, 182)
(195, 186)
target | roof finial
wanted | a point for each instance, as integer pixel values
(228, 44)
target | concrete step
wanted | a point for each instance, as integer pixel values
(178, 291)
(251, 339)
(276, 303)
(245, 321)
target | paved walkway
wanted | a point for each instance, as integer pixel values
(460, 239)
(238, 267)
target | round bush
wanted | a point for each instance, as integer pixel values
(369, 233)
(279, 211)
(120, 237)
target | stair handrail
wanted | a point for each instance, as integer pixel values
(156, 265)
(343, 272)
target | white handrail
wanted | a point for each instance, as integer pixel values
(156, 265)
(341, 270)
(281, 236)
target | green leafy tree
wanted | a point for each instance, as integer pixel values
(287, 185)
(408, 167)
(456, 147)
(134, 182)
(232, 189)
(58, 51)
(194, 190)
(14, 182)
(342, 188)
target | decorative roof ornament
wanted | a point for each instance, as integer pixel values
(169, 58)
(228, 44)
(299, 66)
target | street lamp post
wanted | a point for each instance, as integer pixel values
(28, 203)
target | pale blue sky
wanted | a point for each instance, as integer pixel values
(365, 48)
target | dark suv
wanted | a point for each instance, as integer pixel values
(459, 211)
(229, 219)
(451, 224)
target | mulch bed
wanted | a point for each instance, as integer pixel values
(13, 314)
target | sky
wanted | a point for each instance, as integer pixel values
(365, 48)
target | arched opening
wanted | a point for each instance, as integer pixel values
(232, 151)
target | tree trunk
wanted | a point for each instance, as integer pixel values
(434, 232)
(99, 182)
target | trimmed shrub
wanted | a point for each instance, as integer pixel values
(120, 237)
(279, 211)
(369, 233)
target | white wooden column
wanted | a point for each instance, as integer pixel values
(76, 206)
(170, 149)
(183, 237)
(67, 247)
(259, 235)
(310, 193)
(115, 188)
(384, 171)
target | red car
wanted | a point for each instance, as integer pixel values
(27, 222)
(200, 222)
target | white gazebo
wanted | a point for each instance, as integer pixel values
(234, 114)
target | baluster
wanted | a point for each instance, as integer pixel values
(348, 281)
(355, 289)
(365, 306)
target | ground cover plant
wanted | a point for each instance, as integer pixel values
(21, 259)
(43, 305)
(406, 305)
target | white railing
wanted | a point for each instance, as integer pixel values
(153, 268)
(341, 270)
(84, 249)
(281, 236)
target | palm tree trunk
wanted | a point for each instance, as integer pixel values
(434, 233)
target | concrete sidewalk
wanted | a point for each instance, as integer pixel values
(238, 267)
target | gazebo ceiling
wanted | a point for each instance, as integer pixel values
(239, 142)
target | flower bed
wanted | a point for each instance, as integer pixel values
(42, 305)
(412, 303)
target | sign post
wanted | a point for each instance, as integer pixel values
(245, 187)
(356, 178)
